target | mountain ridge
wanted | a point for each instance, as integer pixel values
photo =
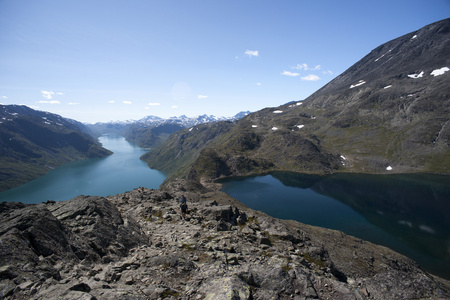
(151, 131)
(136, 245)
(33, 142)
(394, 119)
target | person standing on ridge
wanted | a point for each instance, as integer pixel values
(183, 207)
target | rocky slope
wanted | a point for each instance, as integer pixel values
(388, 113)
(33, 142)
(136, 246)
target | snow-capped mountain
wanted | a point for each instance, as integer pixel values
(120, 127)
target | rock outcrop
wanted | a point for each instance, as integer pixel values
(137, 246)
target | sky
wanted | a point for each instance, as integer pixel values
(115, 60)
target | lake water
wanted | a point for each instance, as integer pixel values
(407, 213)
(120, 172)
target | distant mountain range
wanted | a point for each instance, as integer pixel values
(153, 121)
(151, 131)
(388, 113)
(33, 142)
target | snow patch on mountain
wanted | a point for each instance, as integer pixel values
(440, 71)
(415, 76)
(361, 82)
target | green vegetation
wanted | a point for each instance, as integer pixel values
(33, 142)
(390, 124)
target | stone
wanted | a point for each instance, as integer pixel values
(107, 248)
(81, 287)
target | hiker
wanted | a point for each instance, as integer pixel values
(183, 206)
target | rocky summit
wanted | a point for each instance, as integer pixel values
(136, 245)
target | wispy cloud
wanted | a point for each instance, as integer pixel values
(328, 72)
(49, 94)
(202, 96)
(252, 53)
(49, 101)
(4, 97)
(305, 67)
(153, 104)
(74, 103)
(174, 106)
(310, 77)
(126, 102)
(111, 101)
(258, 83)
(288, 73)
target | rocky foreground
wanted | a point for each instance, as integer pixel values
(136, 246)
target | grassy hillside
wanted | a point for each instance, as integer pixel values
(388, 113)
(33, 142)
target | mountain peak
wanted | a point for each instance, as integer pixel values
(388, 113)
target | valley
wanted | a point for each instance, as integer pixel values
(386, 114)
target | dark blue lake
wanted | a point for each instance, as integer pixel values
(120, 172)
(407, 213)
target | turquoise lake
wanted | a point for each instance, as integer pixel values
(407, 213)
(120, 172)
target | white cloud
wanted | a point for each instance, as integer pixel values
(47, 94)
(288, 73)
(310, 77)
(126, 102)
(252, 53)
(305, 67)
(328, 72)
(74, 103)
(111, 101)
(49, 102)
(4, 97)
(258, 83)
(202, 96)
(153, 104)
(174, 106)
(50, 94)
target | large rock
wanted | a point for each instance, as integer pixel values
(99, 226)
(39, 241)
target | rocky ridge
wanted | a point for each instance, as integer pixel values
(136, 246)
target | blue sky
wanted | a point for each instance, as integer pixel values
(102, 60)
